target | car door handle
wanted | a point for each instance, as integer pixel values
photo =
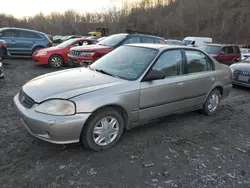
(212, 78)
(180, 84)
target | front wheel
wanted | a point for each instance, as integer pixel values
(212, 103)
(103, 130)
(55, 61)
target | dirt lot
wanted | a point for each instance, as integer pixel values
(189, 150)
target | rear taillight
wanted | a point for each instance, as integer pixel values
(5, 45)
(51, 43)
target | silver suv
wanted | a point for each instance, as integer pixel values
(125, 88)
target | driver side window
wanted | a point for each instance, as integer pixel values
(132, 40)
(170, 62)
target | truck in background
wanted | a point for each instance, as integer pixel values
(197, 41)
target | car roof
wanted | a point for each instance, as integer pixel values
(159, 46)
(220, 45)
(22, 29)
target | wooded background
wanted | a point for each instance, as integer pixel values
(226, 21)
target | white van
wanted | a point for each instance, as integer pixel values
(196, 41)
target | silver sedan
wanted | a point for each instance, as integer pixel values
(128, 87)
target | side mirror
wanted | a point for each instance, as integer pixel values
(154, 75)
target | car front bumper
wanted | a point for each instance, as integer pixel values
(234, 82)
(54, 129)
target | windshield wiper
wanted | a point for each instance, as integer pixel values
(104, 72)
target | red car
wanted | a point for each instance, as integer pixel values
(85, 55)
(226, 54)
(56, 56)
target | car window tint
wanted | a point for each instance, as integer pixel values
(237, 49)
(131, 40)
(198, 62)
(230, 50)
(27, 34)
(170, 62)
(224, 50)
(147, 40)
(8, 33)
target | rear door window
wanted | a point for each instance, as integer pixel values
(236, 49)
(147, 40)
(198, 62)
(27, 34)
(131, 40)
(230, 50)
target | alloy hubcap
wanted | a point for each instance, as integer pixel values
(213, 102)
(56, 62)
(105, 131)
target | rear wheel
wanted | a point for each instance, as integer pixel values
(212, 103)
(56, 61)
(103, 130)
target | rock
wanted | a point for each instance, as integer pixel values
(62, 167)
(148, 164)
(241, 150)
(92, 172)
(166, 174)
(231, 176)
(169, 181)
(155, 180)
(243, 173)
(216, 149)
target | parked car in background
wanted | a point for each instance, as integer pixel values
(197, 41)
(175, 42)
(24, 41)
(3, 50)
(127, 87)
(245, 52)
(50, 37)
(58, 55)
(223, 53)
(241, 73)
(57, 39)
(81, 56)
(65, 38)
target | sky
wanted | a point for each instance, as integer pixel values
(20, 8)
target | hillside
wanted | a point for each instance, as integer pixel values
(224, 20)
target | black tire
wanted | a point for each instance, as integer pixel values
(206, 109)
(87, 135)
(58, 64)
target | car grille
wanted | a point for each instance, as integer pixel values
(74, 53)
(25, 100)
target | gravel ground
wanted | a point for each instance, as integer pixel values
(189, 150)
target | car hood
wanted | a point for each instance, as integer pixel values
(241, 66)
(67, 84)
(90, 48)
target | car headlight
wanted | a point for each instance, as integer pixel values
(41, 53)
(56, 107)
(87, 54)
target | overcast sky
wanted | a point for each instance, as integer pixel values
(20, 8)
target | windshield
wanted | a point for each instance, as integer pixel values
(112, 40)
(211, 49)
(66, 43)
(187, 42)
(126, 62)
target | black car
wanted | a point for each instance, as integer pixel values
(241, 73)
(3, 50)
